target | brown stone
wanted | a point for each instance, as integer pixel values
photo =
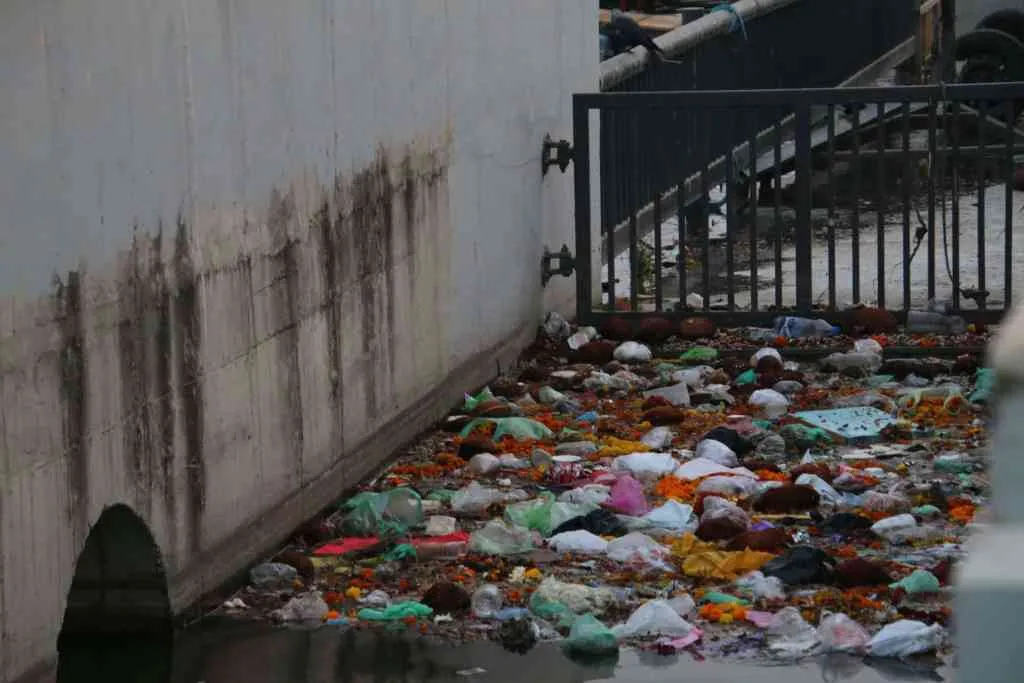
(697, 328)
(655, 402)
(618, 329)
(765, 541)
(720, 529)
(476, 444)
(787, 499)
(719, 376)
(819, 468)
(445, 597)
(861, 572)
(663, 415)
(868, 320)
(655, 330)
(596, 352)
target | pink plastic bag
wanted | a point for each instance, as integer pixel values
(627, 497)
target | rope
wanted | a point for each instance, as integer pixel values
(737, 20)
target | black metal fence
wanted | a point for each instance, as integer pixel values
(807, 44)
(888, 196)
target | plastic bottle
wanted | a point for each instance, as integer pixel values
(486, 601)
(804, 328)
(927, 322)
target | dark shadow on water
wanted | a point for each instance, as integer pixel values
(218, 651)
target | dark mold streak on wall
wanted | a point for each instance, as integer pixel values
(74, 397)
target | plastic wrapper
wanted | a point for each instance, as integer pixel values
(638, 548)
(728, 486)
(676, 394)
(396, 612)
(475, 498)
(654, 618)
(828, 494)
(497, 538)
(719, 508)
(717, 452)
(905, 638)
(658, 438)
(769, 403)
(308, 607)
(789, 635)
(582, 542)
(646, 465)
(627, 497)
(553, 598)
(840, 633)
(589, 636)
(632, 352)
(673, 515)
(589, 494)
(761, 587)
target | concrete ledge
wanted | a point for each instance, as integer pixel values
(215, 566)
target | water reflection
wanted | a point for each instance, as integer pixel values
(227, 652)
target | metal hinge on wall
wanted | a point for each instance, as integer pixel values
(556, 263)
(561, 157)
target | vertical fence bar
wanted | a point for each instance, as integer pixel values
(908, 181)
(581, 175)
(730, 213)
(777, 209)
(752, 206)
(660, 173)
(802, 135)
(1008, 218)
(610, 225)
(705, 189)
(831, 226)
(934, 165)
(955, 205)
(632, 202)
(880, 202)
(684, 227)
(855, 202)
(979, 166)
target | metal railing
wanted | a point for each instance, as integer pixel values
(889, 196)
(783, 44)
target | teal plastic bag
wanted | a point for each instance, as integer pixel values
(472, 402)
(532, 514)
(396, 612)
(984, 383)
(589, 636)
(921, 581)
(746, 377)
(389, 514)
(401, 551)
(801, 437)
(716, 598)
(519, 428)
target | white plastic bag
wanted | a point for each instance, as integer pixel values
(892, 526)
(728, 486)
(840, 633)
(719, 508)
(769, 403)
(867, 345)
(654, 618)
(577, 598)
(790, 635)
(475, 498)
(637, 547)
(307, 607)
(657, 438)
(483, 464)
(645, 465)
(762, 587)
(904, 638)
(828, 494)
(673, 515)
(582, 542)
(698, 468)
(632, 352)
(590, 494)
(677, 394)
(683, 605)
(717, 452)
(766, 352)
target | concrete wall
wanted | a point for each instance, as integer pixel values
(249, 247)
(970, 12)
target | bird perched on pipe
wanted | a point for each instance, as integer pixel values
(626, 34)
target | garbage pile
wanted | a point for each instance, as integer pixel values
(606, 495)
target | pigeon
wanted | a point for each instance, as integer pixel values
(628, 34)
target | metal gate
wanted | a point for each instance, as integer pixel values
(807, 201)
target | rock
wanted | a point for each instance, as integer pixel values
(445, 597)
(617, 329)
(697, 328)
(787, 499)
(769, 365)
(868, 320)
(594, 353)
(720, 529)
(476, 444)
(861, 572)
(818, 468)
(302, 564)
(766, 540)
(664, 415)
(655, 330)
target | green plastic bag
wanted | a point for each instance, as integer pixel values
(402, 551)
(699, 354)
(551, 610)
(589, 636)
(473, 401)
(396, 612)
(388, 514)
(801, 437)
(519, 428)
(532, 514)
(921, 581)
(746, 377)
(984, 383)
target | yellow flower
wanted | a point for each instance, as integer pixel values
(354, 592)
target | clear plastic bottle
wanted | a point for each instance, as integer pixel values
(929, 322)
(486, 601)
(794, 327)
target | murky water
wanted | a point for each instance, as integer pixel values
(231, 652)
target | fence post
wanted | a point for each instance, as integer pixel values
(581, 178)
(802, 138)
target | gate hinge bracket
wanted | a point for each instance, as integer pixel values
(561, 157)
(556, 263)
